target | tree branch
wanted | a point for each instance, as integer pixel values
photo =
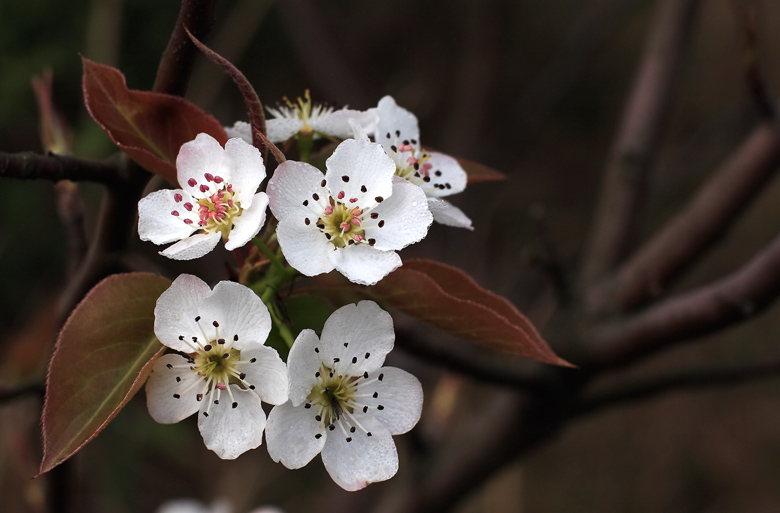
(737, 297)
(643, 121)
(697, 227)
(689, 378)
(31, 166)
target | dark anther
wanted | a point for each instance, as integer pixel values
(371, 242)
(316, 349)
(427, 179)
(216, 401)
(346, 344)
(367, 355)
(447, 185)
(317, 374)
(330, 374)
(437, 173)
(251, 387)
(205, 414)
(317, 418)
(380, 407)
(305, 203)
(315, 197)
(197, 318)
(327, 236)
(242, 375)
(199, 397)
(398, 133)
(253, 360)
(318, 436)
(354, 359)
(332, 427)
(406, 142)
(374, 215)
(195, 339)
(379, 199)
(207, 347)
(235, 338)
(178, 379)
(307, 221)
(381, 376)
(307, 405)
(169, 366)
(365, 375)
(235, 404)
(215, 324)
(352, 429)
(336, 360)
(345, 178)
(322, 183)
(393, 148)
(181, 337)
(365, 409)
(381, 223)
(369, 433)
(176, 396)
(417, 165)
(226, 355)
(221, 341)
(349, 439)
(388, 135)
(376, 394)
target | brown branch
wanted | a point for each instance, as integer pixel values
(640, 130)
(31, 166)
(737, 297)
(683, 379)
(178, 59)
(697, 227)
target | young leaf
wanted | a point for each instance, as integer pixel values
(103, 355)
(452, 301)
(150, 127)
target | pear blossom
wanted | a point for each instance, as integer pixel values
(219, 506)
(343, 403)
(223, 371)
(353, 219)
(305, 118)
(218, 200)
(436, 173)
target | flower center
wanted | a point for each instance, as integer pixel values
(302, 110)
(217, 211)
(413, 167)
(332, 394)
(341, 223)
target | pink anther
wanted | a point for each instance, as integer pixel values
(204, 188)
(355, 220)
(218, 179)
(358, 238)
(177, 197)
(353, 200)
(405, 147)
(175, 213)
(191, 182)
(188, 206)
(345, 226)
(221, 386)
(208, 176)
(188, 221)
(328, 210)
(341, 195)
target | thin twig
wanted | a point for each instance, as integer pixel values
(31, 166)
(697, 227)
(644, 119)
(737, 297)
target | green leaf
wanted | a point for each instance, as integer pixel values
(103, 355)
(449, 299)
(150, 127)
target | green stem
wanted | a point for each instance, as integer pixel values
(278, 274)
(305, 145)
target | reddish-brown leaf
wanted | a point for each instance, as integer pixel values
(150, 127)
(450, 299)
(479, 172)
(103, 355)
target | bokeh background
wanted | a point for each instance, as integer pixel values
(534, 89)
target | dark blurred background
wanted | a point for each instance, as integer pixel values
(534, 89)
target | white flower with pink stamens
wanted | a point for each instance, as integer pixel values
(218, 200)
(343, 402)
(223, 369)
(435, 173)
(353, 219)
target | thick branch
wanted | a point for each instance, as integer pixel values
(31, 166)
(684, 379)
(175, 69)
(643, 121)
(698, 226)
(728, 301)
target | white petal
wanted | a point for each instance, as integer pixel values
(176, 309)
(400, 395)
(363, 264)
(249, 223)
(406, 218)
(293, 184)
(243, 168)
(448, 214)
(184, 506)
(303, 362)
(365, 459)
(337, 123)
(240, 129)
(367, 332)
(290, 435)
(230, 431)
(280, 129)
(238, 311)
(358, 164)
(268, 374)
(395, 124)
(445, 171)
(305, 247)
(156, 221)
(192, 247)
(163, 406)
(196, 158)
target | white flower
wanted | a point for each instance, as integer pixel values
(226, 371)
(436, 173)
(353, 219)
(217, 199)
(218, 506)
(343, 403)
(307, 119)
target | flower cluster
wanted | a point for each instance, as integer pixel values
(333, 396)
